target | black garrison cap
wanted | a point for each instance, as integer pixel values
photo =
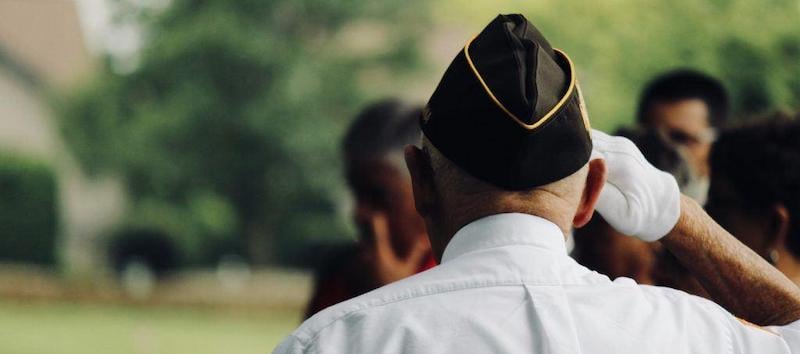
(508, 110)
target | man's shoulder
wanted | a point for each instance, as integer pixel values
(678, 297)
(621, 304)
(661, 294)
(671, 305)
(392, 301)
(386, 298)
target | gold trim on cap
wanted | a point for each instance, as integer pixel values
(582, 105)
(549, 114)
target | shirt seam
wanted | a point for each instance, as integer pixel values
(348, 314)
(490, 246)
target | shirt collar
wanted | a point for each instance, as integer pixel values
(505, 230)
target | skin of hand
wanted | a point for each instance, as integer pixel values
(381, 258)
(735, 276)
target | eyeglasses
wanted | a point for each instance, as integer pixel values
(680, 137)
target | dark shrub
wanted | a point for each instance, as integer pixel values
(28, 211)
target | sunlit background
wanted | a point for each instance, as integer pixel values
(168, 168)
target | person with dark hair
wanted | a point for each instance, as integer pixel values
(686, 107)
(677, 118)
(755, 188)
(508, 165)
(392, 241)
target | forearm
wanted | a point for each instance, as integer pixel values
(735, 276)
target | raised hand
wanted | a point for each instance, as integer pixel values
(637, 199)
(378, 253)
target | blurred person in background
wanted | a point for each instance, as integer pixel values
(687, 108)
(678, 115)
(600, 247)
(755, 188)
(392, 242)
(754, 194)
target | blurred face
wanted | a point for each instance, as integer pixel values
(686, 124)
(380, 190)
(734, 215)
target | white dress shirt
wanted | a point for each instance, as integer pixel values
(506, 285)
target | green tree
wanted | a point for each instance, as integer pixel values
(752, 46)
(241, 103)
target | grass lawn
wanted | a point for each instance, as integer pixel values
(66, 328)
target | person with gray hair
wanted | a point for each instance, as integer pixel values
(392, 242)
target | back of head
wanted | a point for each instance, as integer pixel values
(505, 128)
(457, 187)
(683, 84)
(381, 131)
(761, 163)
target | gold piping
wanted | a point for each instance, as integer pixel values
(549, 114)
(582, 105)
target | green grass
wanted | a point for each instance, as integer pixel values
(64, 328)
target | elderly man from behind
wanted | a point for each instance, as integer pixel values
(503, 174)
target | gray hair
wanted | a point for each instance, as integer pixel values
(381, 131)
(455, 181)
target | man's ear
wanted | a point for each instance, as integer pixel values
(778, 228)
(419, 166)
(595, 180)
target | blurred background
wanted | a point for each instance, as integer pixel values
(170, 168)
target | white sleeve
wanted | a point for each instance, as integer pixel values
(750, 338)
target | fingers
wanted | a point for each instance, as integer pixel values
(418, 252)
(382, 243)
(383, 261)
(615, 207)
(598, 144)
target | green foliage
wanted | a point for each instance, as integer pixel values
(202, 231)
(227, 130)
(28, 217)
(753, 46)
(237, 106)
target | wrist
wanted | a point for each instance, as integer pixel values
(690, 210)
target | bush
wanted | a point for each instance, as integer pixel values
(230, 121)
(28, 216)
(151, 246)
(192, 235)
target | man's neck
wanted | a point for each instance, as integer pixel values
(539, 203)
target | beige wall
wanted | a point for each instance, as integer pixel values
(44, 37)
(25, 124)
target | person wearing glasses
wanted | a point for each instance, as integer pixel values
(686, 108)
(678, 116)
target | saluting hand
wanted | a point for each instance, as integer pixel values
(637, 199)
